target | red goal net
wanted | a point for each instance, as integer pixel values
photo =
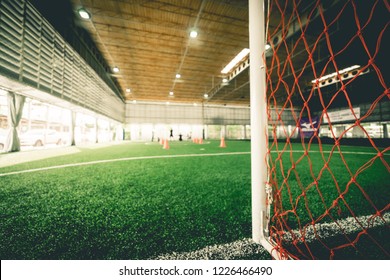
(329, 118)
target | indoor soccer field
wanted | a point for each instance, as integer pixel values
(135, 200)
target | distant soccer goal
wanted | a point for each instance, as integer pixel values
(328, 107)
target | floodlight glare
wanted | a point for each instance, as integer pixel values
(83, 13)
(193, 34)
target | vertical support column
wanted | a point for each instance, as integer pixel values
(258, 114)
(203, 125)
(96, 130)
(72, 128)
(385, 133)
(15, 111)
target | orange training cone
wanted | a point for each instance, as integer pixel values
(161, 141)
(200, 141)
(166, 145)
(222, 145)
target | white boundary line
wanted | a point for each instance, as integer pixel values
(246, 247)
(161, 157)
(118, 159)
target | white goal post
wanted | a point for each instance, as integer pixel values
(258, 112)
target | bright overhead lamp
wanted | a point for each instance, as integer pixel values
(167, 103)
(128, 90)
(134, 101)
(225, 80)
(178, 76)
(83, 13)
(206, 95)
(235, 61)
(171, 93)
(193, 34)
(115, 69)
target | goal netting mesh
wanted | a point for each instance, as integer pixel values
(328, 118)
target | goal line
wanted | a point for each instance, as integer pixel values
(242, 249)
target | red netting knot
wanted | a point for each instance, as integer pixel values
(357, 122)
(335, 204)
(306, 153)
(326, 29)
(353, 180)
(326, 165)
(293, 166)
(331, 254)
(380, 154)
(337, 142)
(371, 61)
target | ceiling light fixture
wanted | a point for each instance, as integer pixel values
(206, 95)
(128, 90)
(178, 76)
(193, 34)
(83, 13)
(334, 74)
(225, 80)
(235, 61)
(171, 93)
(115, 69)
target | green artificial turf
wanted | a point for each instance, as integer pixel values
(139, 209)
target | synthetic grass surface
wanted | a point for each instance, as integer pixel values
(144, 208)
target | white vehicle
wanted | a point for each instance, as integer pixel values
(40, 137)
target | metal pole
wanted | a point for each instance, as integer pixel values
(259, 126)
